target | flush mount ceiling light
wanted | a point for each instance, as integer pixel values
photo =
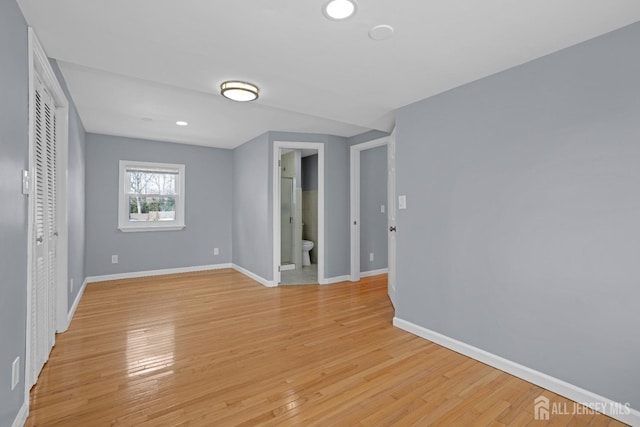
(239, 91)
(181, 123)
(339, 9)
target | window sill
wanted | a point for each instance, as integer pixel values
(130, 229)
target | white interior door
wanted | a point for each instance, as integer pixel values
(391, 195)
(44, 274)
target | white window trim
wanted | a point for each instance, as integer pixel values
(124, 224)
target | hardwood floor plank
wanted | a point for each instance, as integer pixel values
(216, 348)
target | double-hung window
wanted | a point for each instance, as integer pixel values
(151, 196)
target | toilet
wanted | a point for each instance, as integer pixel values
(307, 245)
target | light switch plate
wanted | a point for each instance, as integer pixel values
(25, 182)
(15, 373)
(402, 202)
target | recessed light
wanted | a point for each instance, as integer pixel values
(340, 9)
(239, 91)
(381, 32)
(181, 123)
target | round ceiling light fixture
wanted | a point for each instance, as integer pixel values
(339, 10)
(239, 91)
(181, 123)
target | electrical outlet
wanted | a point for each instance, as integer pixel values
(70, 285)
(371, 256)
(381, 208)
(15, 373)
(216, 251)
(114, 259)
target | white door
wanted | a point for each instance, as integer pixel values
(43, 295)
(391, 195)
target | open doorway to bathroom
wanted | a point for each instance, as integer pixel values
(298, 197)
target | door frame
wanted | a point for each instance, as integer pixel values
(354, 177)
(39, 61)
(277, 146)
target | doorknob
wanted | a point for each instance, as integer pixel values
(392, 228)
(39, 239)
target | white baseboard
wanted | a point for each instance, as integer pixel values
(74, 307)
(137, 274)
(259, 279)
(337, 279)
(23, 413)
(613, 409)
(373, 272)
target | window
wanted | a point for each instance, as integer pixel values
(151, 196)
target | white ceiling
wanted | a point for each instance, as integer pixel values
(136, 67)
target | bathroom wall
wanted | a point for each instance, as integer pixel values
(337, 238)
(310, 202)
(522, 234)
(208, 200)
(253, 229)
(252, 207)
(373, 196)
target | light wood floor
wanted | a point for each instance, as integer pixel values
(218, 349)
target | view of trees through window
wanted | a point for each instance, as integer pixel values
(152, 195)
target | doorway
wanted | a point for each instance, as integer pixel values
(389, 210)
(298, 213)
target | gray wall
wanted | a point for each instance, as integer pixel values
(337, 210)
(366, 137)
(310, 173)
(250, 227)
(14, 154)
(373, 223)
(252, 223)
(207, 208)
(522, 229)
(337, 245)
(76, 191)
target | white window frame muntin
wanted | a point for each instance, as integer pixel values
(123, 214)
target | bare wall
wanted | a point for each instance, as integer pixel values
(14, 149)
(373, 222)
(207, 208)
(522, 229)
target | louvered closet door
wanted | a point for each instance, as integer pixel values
(45, 233)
